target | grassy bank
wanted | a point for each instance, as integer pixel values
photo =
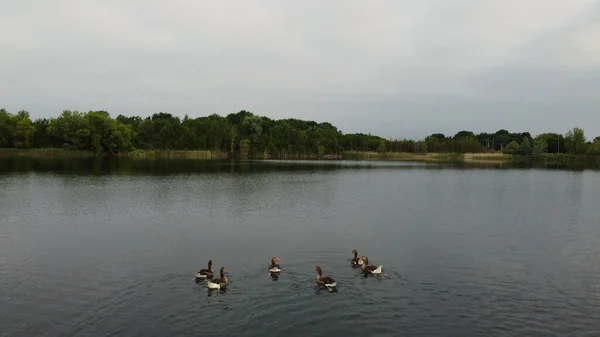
(55, 152)
(199, 154)
(360, 155)
(491, 158)
(44, 152)
(553, 158)
(294, 156)
(497, 157)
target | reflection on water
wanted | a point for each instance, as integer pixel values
(132, 166)
(111, 247)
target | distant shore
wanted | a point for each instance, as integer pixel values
(492, 158)
(348, 155)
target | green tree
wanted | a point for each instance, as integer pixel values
(381, 147)
(321, 150)
(24, 131)
(252, 127)
(237, 118)
(421, 147)
(23, 135)
(436, 136)
(72, 129)
(252, 134)
(232, 136)
(540, 145)
(8, 124)
(101, 129)
(134, 122)
(464, 135)
(121, 139)
(486, 139)
(554, 141)
(575, 141)
(512, 148)
(525, 147)
(244, 146)
(594, 148)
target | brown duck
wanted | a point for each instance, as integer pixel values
(220, 282)
(204, 274)
(356, 261)
(370, 269)
(326, 281)
(274, 266)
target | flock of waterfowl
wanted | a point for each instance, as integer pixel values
(221, 282)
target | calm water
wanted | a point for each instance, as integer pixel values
(110, 248)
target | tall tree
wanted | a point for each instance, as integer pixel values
(8, 124)
(525, 147)
(575, 141)
(464, 135)
(555, 142)
(594, 148)
(540, 145)
(24, 130)
(512, 148)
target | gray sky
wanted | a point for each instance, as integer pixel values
(395, 68)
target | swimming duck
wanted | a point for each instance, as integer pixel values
(218, 283)
(326, 281)
(370, 269)
(204, 274)
(274, 266)
(356, 261)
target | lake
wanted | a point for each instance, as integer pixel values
(110, 247)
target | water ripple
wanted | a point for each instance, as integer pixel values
(465, 253)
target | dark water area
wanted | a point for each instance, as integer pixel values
(110, 247)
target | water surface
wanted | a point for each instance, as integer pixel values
(96, 247)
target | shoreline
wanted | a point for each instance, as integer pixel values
(489, 158)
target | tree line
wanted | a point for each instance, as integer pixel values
(246, 133)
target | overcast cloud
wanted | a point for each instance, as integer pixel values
(394, 68)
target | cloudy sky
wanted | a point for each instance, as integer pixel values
(395, 68)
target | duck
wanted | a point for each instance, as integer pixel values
(356, 261)
(326, 281)
(274, 266)
(204, 274)
(370, 269)
(220, 282)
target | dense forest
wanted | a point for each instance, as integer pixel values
(248, 134)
